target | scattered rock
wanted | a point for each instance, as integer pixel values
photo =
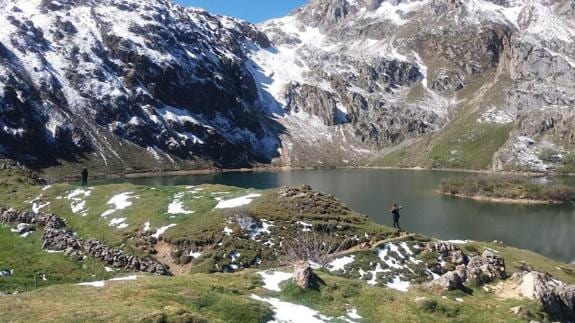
(459, 258)
(6, 272)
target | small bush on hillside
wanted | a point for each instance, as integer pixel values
(560, 193)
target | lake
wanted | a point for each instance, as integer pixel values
(549, 230)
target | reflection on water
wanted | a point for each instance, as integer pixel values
(549, 230)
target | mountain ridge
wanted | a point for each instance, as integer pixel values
(395, 83)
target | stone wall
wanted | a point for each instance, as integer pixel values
(57, 238)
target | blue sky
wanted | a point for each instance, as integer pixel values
(251, 10)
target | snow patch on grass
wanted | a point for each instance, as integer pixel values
(119, 202)
(253, 229)
(305, 227)
(395, 257)
(236, 202)
(273, 279)
(398, 284)
(78, 202)
(102, 283)
(195, 255)
(177, 205)
(162, 230)
(120, 223)
(352, 314)
(36, 206)
(340, 263)
(288, 312)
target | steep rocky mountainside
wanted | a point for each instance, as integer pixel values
(482, 82)
(104, 79)
(434, 83)
(232, 251)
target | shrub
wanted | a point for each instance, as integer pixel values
(505, 186)
(560, 193)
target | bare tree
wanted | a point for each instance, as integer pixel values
(313, 247)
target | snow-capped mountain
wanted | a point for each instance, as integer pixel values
(446, 83)
(440, 83)
(121, 77)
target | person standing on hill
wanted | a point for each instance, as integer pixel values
(84, 177)
(395, 213)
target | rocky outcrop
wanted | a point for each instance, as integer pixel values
(486, 268)
(442, 6)
(57, 238)
(557, 298)
(457, 269)
(451, 280)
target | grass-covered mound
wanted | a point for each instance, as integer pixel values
(506, 188)
(207, 228)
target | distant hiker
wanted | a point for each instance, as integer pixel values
(395, 213)
(85, 176)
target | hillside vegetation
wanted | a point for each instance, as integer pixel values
(507, 188)
(226, 250)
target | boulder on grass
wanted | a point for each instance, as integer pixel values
(303, 275)
(556, 297)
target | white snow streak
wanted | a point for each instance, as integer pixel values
(236, 202)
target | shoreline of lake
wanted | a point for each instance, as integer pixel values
(501, 200)
(373, 191)
(259, 169)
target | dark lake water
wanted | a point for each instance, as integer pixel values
(549, 230)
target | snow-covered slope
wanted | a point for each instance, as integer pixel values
(336, 82)
(105, 76)
(369, 75)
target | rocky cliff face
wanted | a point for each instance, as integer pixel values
(383, 74)
(416, 82)
(99, 77)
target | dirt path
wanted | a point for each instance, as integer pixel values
(164, 256)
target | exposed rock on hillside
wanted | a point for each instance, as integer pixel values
(379, 73)
(152, 84)
(557, 298)
(89, 77)
(479, 269)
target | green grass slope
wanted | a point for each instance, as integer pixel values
(200, 292)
